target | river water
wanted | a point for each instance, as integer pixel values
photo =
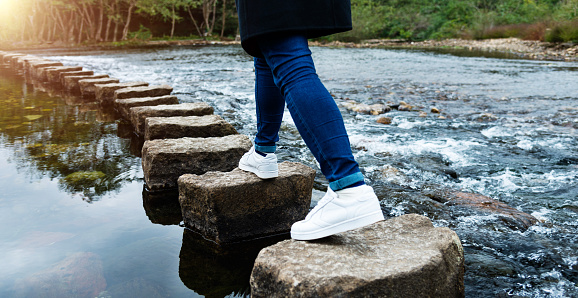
(75, 219)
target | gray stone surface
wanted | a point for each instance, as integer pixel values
(35, 67)
(237, 205)
(124, 105)
(401, 257)
(65, 74)
(70, 83)
(188, 126)
(87, 86)
(104, 93)
(144, 91)
(164, 161)
(53, 73)
(138, 115)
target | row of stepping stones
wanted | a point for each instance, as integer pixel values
(188, 147)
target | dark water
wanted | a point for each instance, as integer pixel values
(72, 189)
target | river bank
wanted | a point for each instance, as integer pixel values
(507, 47)
(527, 49)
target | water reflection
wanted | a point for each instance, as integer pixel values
(75, 144)
(218, 270)
(162, 207)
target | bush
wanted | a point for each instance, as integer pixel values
(563, 32)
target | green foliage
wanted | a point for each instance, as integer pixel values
(143, 33)
(437, 19)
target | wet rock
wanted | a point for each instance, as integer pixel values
(164, 161)
(70, 83)
(403, 106)
(435, 110)
(374, 109)
(143, 91)
(401, 257)
(124, 105)
(53, 73)
(62, 75)
(510, 216)
(189, 126)
(486, 117)
(105, 93)
(237, 205)
(34, 68)
(384, 120)
(138, 115)
(79, 275)
(136, 287)
(8, 58)
(87, 86)
(393, 175)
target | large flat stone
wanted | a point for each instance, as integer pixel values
(35, 68)
(104, 93)
(87, 86)
(144, 91)
(124, 105)
(188, 126)
(70, 83)
(237, 205)
(164, 161)
(138, 115)
(53, 73)
(400, 257)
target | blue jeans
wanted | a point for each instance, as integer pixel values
(287, 75)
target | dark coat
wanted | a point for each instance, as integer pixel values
(314, 18)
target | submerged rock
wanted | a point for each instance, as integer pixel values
(510, 216)
(362, 108)
(401, 257)
(237, 205)
(79, 275)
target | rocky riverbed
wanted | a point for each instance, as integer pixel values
(528, 49)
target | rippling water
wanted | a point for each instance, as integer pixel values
(72, 187)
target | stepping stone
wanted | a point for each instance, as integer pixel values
(35, 66)
(138, 115)
(401, 257)
(164, 161)
(71, 85)
(124, 105)
(238, 205)
(7, 58)
(53, 73)
(87, 86)
(189, 126)
(105, 92)
(144, 91)
(85, 73)
(20, 63)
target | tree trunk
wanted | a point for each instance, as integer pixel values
(224, 18)
(100, 22)
(195, 23)
(174, 17)
(128, 17)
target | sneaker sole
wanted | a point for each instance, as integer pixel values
(260, 174)
(345, 226)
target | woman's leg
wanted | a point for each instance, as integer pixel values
(270, 106)
(313, 109)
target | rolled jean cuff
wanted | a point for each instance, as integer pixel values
(346, 181)
(266, 149)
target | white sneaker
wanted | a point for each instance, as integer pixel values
(339, 211)
(265, 167)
